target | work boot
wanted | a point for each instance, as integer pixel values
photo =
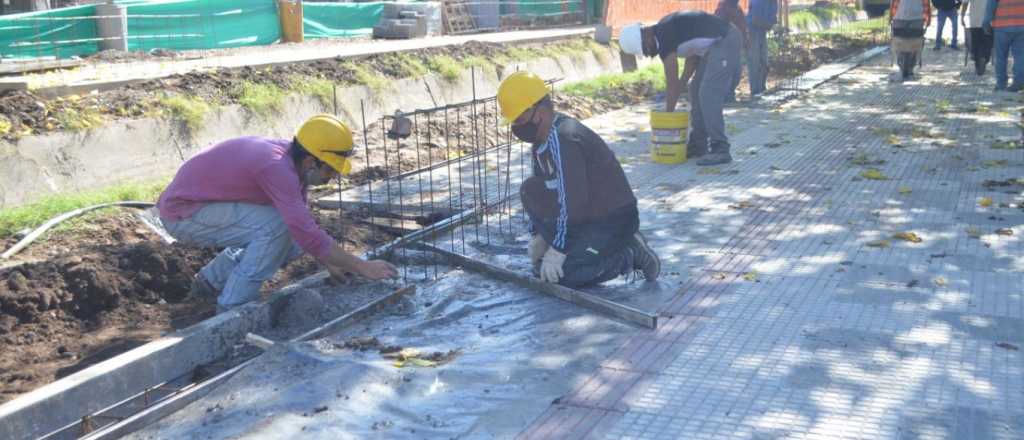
(719, 155)
(979, 67)
(644, 258)
(694, 151)
(202, 290)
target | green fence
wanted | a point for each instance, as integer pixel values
(178, 25)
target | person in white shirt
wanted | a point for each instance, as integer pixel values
(980, 41)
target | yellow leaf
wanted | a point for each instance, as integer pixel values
(985, 202)
(878, 244)
(908, 236)
(873, 174)
(995, 163)
(905, 190)
(709, 171)
(940, 281)
(893, 140)
(973, 232)
(750, 276)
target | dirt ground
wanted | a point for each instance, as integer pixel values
(108, 284)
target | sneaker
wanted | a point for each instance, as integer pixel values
(202, 290)
(644, 258)
(979, 67)
(715, 159)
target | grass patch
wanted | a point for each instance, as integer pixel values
(446, 66)
(30, 216)
(478, 62)
(321, 89)
(261, 99)
(653, 74)
(600, 52)
(189, 109)
(370, 78)
(78, 120)
(408, 66)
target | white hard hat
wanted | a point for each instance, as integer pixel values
(630, 40)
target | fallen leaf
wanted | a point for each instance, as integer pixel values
(940, 281)
(973, 232)
(1004, 231)
(908, 236)
(1007, 144)
(1007, 346)
(995, 163)
(718, 276)
(879, 244)
(742, 205)
(985, 202)
(893, 140)
(905, 190)
(873, 174)
(913, 283)
(973, 168)
(774, 168)
(711, 170)
(750, 276)
(864, 159)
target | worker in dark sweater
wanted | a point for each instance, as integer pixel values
(582, 211)
(718, 44)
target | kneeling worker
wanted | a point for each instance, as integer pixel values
(248, 196)
(717, 43)
(582, 210)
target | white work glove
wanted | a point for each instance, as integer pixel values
(551, 266)
(536, 250)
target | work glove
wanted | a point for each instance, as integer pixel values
(551, 266)
(536, 250)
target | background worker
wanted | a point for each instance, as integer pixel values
(717, 43)
(732, 12)
(582, 211)
(761, 18)
(981, 41)
(248, 196)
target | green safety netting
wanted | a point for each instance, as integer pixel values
(62, 32)
(178, 25)
(200, 24)
(335, 20)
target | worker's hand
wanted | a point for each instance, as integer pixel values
(551, 267)
(339, 276)
(987, 26)
(536, 249)
(377, 270)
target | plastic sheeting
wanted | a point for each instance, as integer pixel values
(519, 350)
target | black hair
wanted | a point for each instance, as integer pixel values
(299, 152)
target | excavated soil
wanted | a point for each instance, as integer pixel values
(107, 285)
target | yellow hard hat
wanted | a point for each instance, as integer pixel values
(327, 139)
(519, 92)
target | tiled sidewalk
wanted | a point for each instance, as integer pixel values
(798, 314)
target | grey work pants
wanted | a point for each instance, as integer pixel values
(712, 83)
(757, 61)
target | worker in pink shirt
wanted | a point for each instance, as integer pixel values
(248, 196)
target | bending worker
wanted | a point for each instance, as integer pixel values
(717, 43)
(582, 211)
(248, 196)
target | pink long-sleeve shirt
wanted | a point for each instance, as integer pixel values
(250, 170)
